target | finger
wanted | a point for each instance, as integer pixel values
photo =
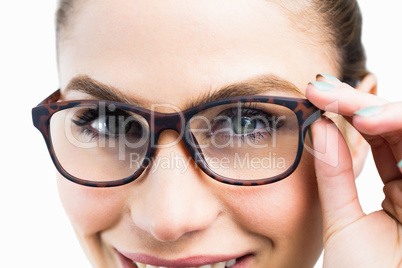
(385, 161)
(334, 96)
(382, 128)
(386, 157)
(336, 183)
(383, 155)
(381, 119)
(343, 99)
(393, 199)
(383, 148)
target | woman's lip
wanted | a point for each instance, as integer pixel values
(193, 261)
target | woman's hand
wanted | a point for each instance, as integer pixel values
(352, 238)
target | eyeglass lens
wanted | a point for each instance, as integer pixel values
(240, 141)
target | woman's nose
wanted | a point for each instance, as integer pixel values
(175, 197)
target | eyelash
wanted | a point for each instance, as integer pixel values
(246, 109)
(251, 110)
(84, 120)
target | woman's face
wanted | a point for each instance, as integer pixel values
(173, 52)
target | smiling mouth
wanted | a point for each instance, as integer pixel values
(143, 261)
(225, 264)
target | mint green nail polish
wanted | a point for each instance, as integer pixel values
(323, 85)
(400, 164)
(369, 111)
(330, 77)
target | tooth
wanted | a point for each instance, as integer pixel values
(151, 266)
(231, 263)
(219, 265)
(140, 265)
(206, 266)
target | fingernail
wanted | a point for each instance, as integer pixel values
(400, 164)
(329, 77)
(369, 111)
(323, 85)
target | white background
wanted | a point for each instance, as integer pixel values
(34, 231)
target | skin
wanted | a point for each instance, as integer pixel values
(157, 51)
(352, 238)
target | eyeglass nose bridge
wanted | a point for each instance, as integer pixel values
(178, 122)
(160, 122)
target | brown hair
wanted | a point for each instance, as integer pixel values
(347, 27)
(336, 24)
(65, 14)
(337, 21)
(344, 20)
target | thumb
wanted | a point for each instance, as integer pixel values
(336, 183)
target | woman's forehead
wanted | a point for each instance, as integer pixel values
(186, 47)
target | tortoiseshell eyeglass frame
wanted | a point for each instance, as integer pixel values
(305, 112)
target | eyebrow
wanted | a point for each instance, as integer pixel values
(252, 86)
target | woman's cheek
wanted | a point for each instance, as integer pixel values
(90, 209)
(285, 209)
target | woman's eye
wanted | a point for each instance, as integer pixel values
(109, 124)
(244, 125)
(112, 125)
(241, 123)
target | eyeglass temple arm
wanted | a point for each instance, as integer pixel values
(52, 98)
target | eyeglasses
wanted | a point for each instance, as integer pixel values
(245, 141)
